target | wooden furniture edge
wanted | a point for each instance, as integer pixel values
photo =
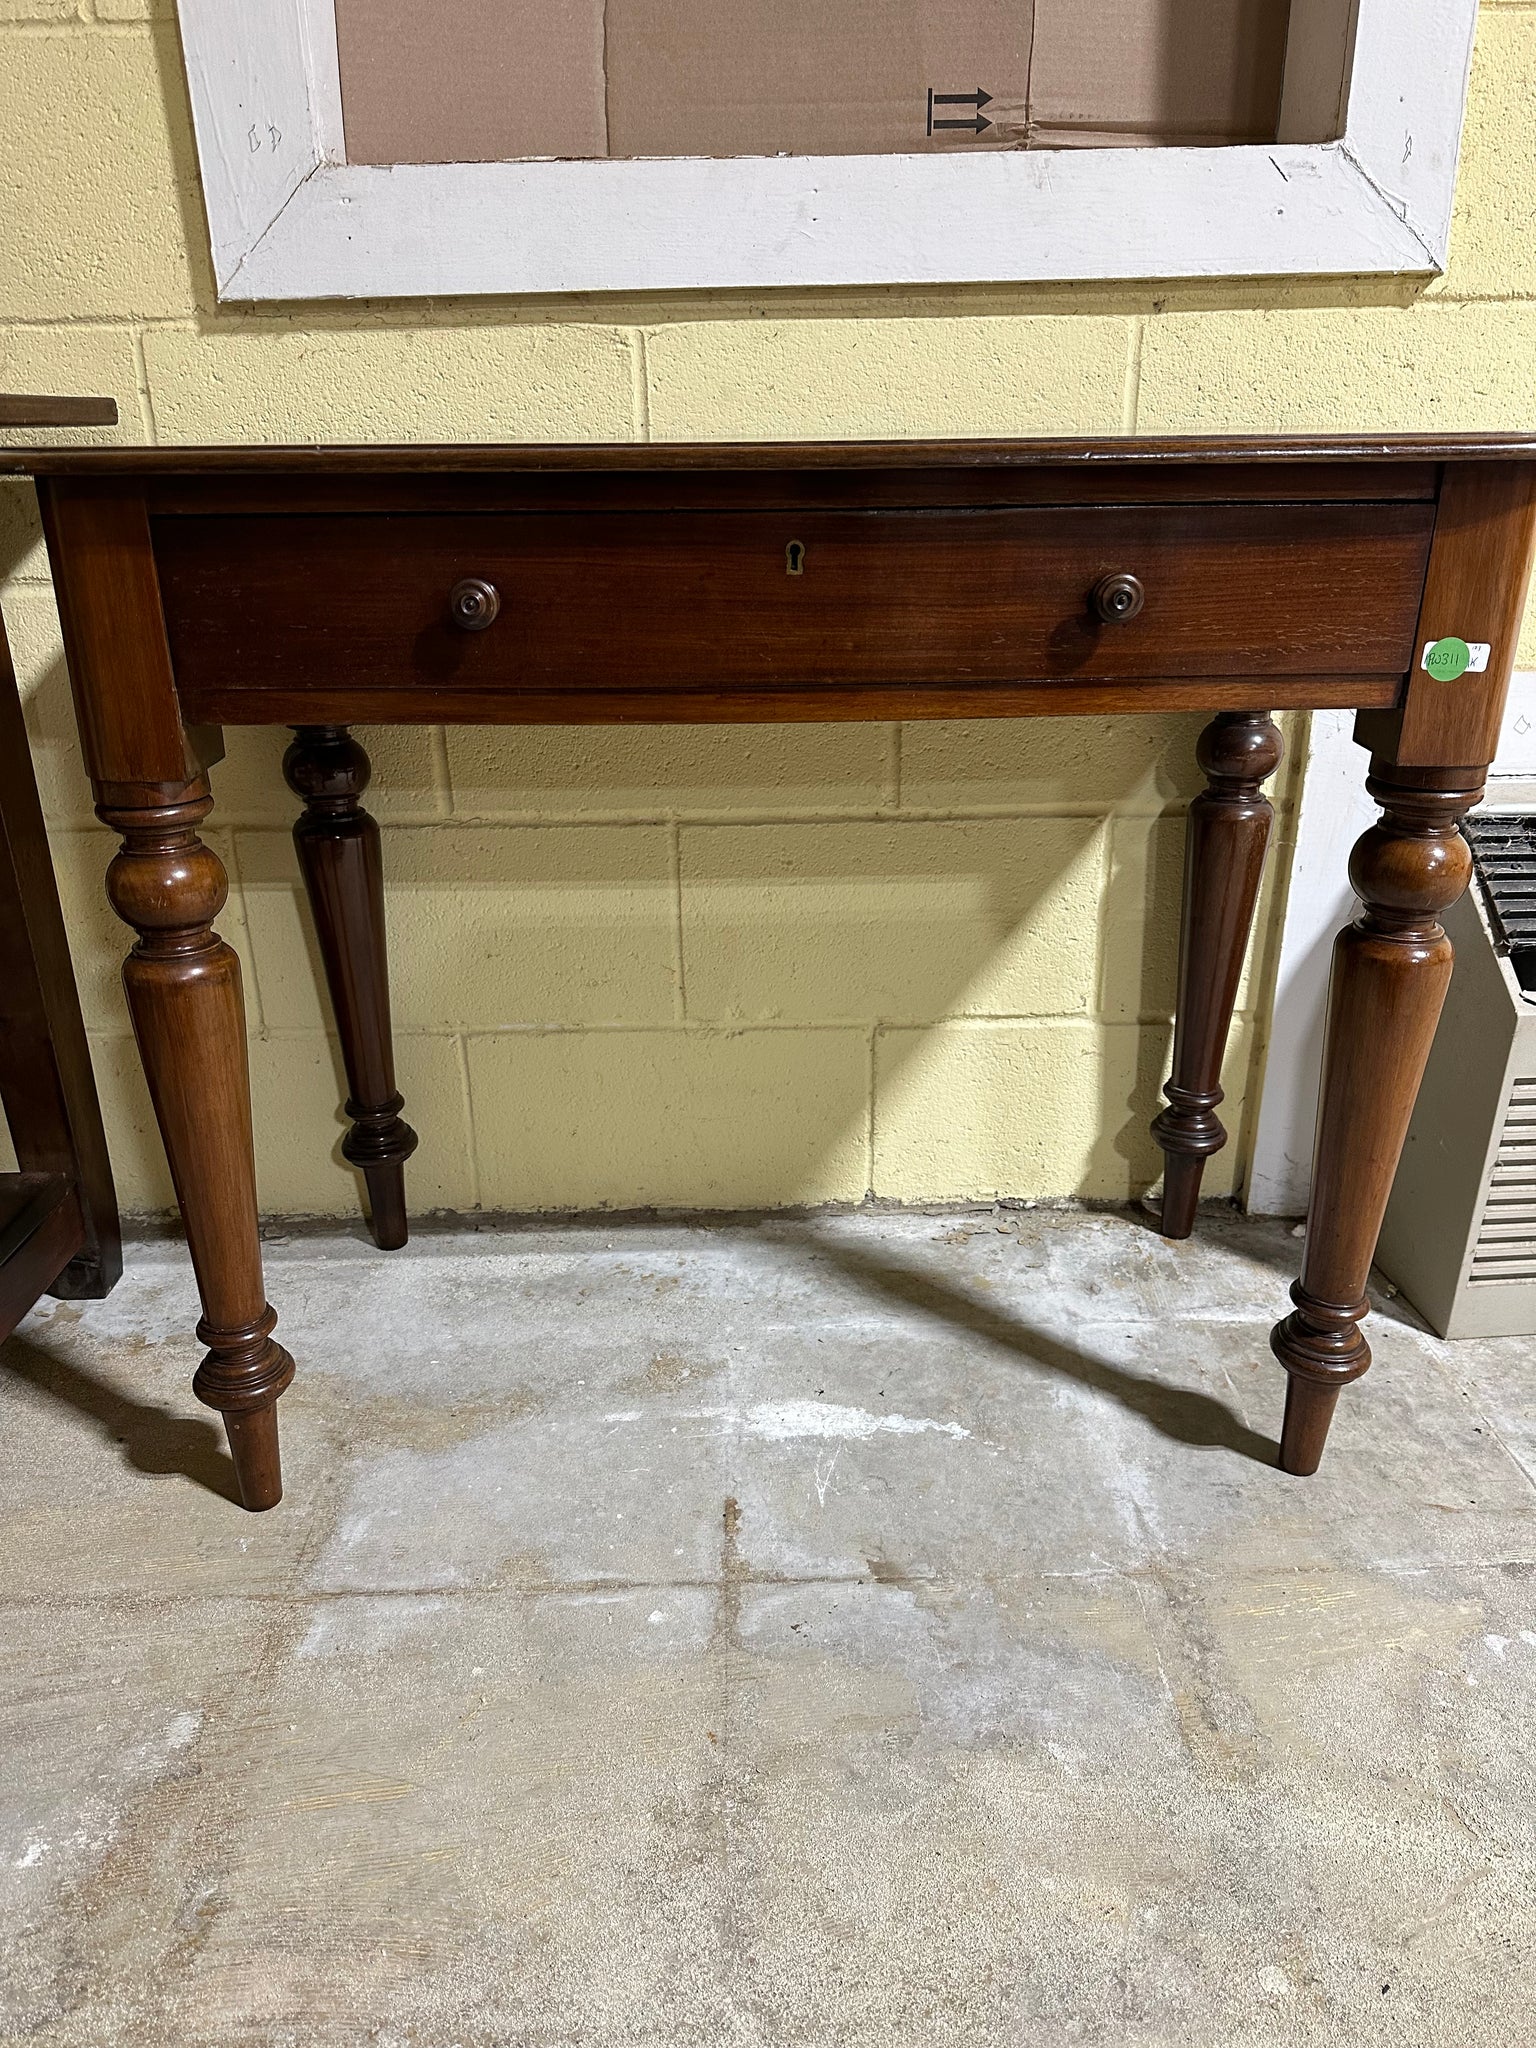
(183, 981)
(1102, 452)
(59, 1215)
(19, 409)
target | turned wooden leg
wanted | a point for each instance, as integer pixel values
(1224, 848)
(183, 987)
(1390, 972)
(338, 845)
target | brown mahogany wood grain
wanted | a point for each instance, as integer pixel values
(131, 725)
(1093, 452)
(648, 583)
(40, 1234)
(361, 701)
(183, 987)
(1479, 568)
(339, 853)
(46, 1082)
(1225, 841)
(708, 490)
(30, 410)
(889, 598)
(1391, 968)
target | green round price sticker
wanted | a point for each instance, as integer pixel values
(1448, 659)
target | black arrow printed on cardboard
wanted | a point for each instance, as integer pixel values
(977, 99)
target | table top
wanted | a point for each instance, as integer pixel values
(258, 585)
(1085, 452)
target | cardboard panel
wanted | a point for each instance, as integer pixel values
(816, 77)
(471, 81)
(1121, 72)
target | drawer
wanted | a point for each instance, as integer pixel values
(787, 600)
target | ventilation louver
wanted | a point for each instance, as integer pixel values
(1460, 1232)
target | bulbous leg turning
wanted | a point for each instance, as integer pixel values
(1224, 847)
(183, 988)
(1391, 968)
(339, 853)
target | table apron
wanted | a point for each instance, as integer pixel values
(795, 614)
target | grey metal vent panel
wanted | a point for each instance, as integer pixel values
(1505, 1248)
(1504, 858)
(1459, 1236)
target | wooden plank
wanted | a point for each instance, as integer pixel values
(1099, 453)
(755, 223)
(1479, 568)
(114, 638)
(1407, 100)
(362, 703)
(258, 110)
(23, 410)
(671, 490)
(674, 600)
(46, 1082)
(40, 1232)
(289, 220)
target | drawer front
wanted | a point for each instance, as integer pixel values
(788, 600)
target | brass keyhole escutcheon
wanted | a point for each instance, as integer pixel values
(794, 558)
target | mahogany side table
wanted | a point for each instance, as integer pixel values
(315, 587)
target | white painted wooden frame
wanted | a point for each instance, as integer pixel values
(290, 219)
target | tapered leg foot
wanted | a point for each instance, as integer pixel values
(339, 853)
(1322, 1349)
(183, 988)
(386, 1204)
(1390, 971)
(1228, 832)
(242, 1376)
(1308, 1412)
(258, 1463)
(1181, 1192)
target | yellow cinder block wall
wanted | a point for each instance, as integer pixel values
(714, 966)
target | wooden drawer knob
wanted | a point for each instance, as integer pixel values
(1117, 598)
(473, 603)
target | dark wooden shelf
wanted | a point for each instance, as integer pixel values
(17, 410)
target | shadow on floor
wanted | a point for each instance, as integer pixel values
(1273, 1242)
(1177, 1412)
(151, 1439)
(1268, 1241)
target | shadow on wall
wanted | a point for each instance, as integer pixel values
(708, 967)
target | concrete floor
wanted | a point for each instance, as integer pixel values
(847, 1631)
